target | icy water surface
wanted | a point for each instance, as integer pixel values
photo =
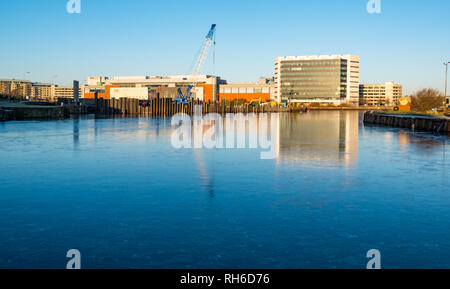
(117, 190)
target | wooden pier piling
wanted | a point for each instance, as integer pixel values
(163, 107)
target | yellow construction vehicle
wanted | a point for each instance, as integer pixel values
(276, 103)
(255, 102)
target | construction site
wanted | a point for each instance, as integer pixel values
(181, 88)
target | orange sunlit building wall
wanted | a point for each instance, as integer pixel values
(108, 90)
(265, 97)
(208, 92)
(244, 91)
(91, 95)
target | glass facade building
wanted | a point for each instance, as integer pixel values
(326, 79)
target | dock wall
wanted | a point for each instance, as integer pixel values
(23, 112)
(413, 122)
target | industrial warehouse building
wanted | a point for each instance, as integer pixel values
(263, 90)
(206, 88)
(318, 79)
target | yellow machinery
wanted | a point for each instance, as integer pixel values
(275, 103)
(404, 104)
(255, 102)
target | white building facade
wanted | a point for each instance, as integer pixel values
(387, 94)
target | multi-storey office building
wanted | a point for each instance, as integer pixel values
(318, 79)
(387, 94)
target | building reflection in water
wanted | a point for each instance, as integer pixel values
(316, 139)
(424, 143)
(319, 138)
(76, 132)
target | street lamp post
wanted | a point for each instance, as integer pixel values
(25, 85)
(446, 77)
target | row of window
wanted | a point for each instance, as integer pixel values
(331, 82)
(315, 84)
(287, 73)
(309, 91)
(333, 79)
(245, 90)
(312, 63)
(312, 95)
(316, 68)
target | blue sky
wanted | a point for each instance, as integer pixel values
(406, 43)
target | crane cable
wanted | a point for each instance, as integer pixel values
(214, 55)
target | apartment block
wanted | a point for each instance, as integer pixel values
(42, 91)
(4, 87)
(16, 89)
(65, 92)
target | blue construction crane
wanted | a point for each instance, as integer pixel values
(184, 98)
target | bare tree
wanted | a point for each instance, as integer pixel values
(427, 99)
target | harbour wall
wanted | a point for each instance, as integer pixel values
(413, 122)
(17, 111)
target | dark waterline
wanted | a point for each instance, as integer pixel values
(117, 190)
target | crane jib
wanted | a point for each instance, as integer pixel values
(184, 98)
(211, 32)
(204, 50)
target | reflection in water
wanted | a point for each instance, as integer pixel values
(421, 141)
(316, 139)
(425, 143)
(206, 175)
(326, 137)
(76, 132)
(139, 202)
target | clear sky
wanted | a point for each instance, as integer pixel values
(407, 43)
